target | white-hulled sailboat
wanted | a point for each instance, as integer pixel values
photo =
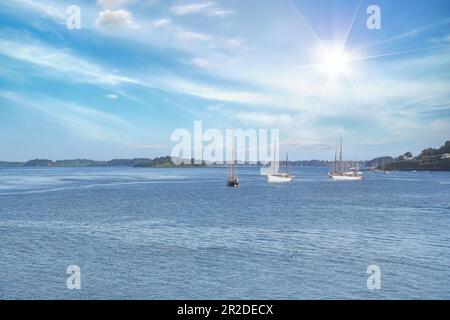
(338, 173)
(277, 177)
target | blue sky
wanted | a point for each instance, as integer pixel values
(139, 69)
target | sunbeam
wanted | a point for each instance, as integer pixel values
(344, 41)
(322, 94)
(305, 20)
(389, 54)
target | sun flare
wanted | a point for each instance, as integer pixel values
(334, 61)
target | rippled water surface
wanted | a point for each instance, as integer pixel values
(181, 233)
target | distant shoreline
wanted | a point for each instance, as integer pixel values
(428, 160)
(161, 162)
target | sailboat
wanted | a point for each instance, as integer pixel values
(354, 169)
(277, 177)
(233, 180)
(338, 173)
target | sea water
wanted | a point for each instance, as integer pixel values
(181, 233)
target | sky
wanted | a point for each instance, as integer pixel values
(137, 70)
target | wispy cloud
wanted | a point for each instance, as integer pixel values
(202, 63)
(61, 62)
(206, 8)
(210, 92)
(84, 121)
(146, 146)
(235, 45)
(161, 23)
(43, 9)
(264, 119)
(191, 36)
(417, 31)
(445, 40)
(191, 8)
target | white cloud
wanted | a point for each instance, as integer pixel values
(82, 120)
(206, 8)
(202, 63)
(192, 36)
(417, 31)
(114, 19)
(112, 4)
(45, 10)
(215, 107)
(130, 97)
(112, 96)
(145, 146)
(264, 119)
(56, 62)
(192, 8)
(60, 62)
(220, 12)
(161, 23)
(235, 45)
(209, 92)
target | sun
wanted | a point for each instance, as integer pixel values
(334, 61)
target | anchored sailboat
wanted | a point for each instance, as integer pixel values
(233, 180)
(277, 177)
(338, 172)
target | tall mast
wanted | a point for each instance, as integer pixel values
(230, 170)
(234, 161)
(340, 158)
(276, 163)
(286, 163)
(335, 160)
(232, 173)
